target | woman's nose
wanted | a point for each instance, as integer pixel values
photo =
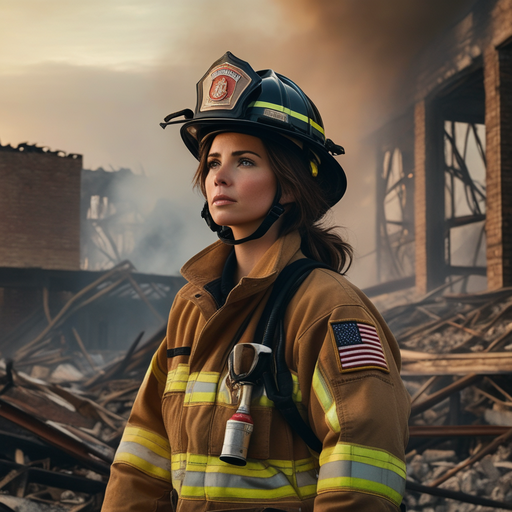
(222, 175)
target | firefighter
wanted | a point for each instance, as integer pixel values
(269, 176)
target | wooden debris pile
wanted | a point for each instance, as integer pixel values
(457, 366)
(63, 407)
(57, 440)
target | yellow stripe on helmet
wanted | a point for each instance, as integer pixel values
(296, 115)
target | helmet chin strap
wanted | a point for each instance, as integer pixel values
(226, 234)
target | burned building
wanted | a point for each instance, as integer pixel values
(444, 165)
(40, 221)
(46, 216)
(40, 227)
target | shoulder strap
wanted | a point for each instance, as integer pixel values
(270, 332)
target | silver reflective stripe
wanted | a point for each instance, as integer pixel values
(224, 480)
(201, 387)
(352, 469)
(144, 453)
(307, 478)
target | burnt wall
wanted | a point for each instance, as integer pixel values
(465, 76)
(498, 81)
(39, 209)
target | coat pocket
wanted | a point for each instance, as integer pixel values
(259, 443)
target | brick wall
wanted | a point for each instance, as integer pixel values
(428, 196)
(39, 210)
(420, 197)
(485, 31)
(498, 121)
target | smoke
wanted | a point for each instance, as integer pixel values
(351, 57)
(356, 60)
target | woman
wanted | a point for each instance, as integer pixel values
(268, 177)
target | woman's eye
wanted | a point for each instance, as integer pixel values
(212, 164)
(246, 162)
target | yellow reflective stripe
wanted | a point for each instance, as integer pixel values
(359, 484)
(151, 436)
(208, 477)
(155, 369)
(177, 379)
(146, 451)
(348, 451)
(359, 468)
(288, 467)
(178, 468)
(223, 394)
(264, 401)
(201, 387)
(280, 108)
(324, 396)
(154, 447)
(143, 465)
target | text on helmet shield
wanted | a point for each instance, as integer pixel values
(223, 86)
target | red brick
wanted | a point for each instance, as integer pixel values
(40, 210)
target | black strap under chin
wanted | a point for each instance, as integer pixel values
(226, 235)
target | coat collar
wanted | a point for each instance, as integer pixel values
(207, 265)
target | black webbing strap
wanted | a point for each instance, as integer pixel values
(270, 332)
(226, 235)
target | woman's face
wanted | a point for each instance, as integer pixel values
(240, 185)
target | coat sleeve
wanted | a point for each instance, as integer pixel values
(140, 476)
(358, 407)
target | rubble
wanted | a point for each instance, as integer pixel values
(62, 407)
(62, 414)
(456, 364)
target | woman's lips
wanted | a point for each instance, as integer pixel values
(222, 200)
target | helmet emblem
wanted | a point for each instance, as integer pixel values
(219, 89)
(223, 86)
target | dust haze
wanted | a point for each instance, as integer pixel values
(352, 58)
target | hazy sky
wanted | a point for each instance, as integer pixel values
(96, 77)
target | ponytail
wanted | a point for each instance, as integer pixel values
(306, 213)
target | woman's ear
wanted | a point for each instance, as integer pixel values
(286, 198)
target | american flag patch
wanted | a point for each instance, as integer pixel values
(359, 346)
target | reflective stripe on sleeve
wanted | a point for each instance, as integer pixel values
(155, 369)
(146, 451)
(208, 477)
(359, 468)
(324, 396)
(177, 379)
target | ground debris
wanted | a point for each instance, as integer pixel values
(63, 406)
(456, 364)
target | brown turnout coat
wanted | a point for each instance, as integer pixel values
(175, 433)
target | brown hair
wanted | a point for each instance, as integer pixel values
(305, 214)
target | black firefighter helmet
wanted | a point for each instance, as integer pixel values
(231, 96)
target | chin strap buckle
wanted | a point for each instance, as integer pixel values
(276, 211)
